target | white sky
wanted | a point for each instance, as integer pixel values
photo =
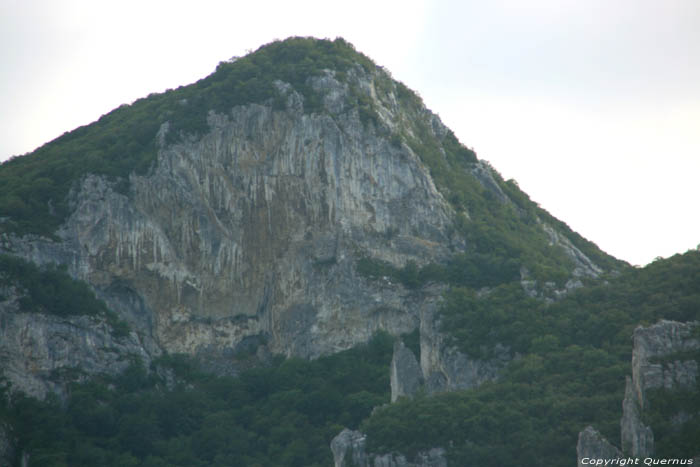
(593, 106)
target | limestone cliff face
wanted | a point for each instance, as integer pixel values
(443, 367)
(651, 369)
(405, 373)
(663, 339)
(39, 352)
(349, 449)
(592, 445)
(255, 228)
(249, 234)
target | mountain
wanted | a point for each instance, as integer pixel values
(268, 254)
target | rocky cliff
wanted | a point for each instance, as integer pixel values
(248, 235)
(651, 344)
(592, 445)
(40, 352)
(254, 230)
(349, 450)
(663, 359)
(443, 367)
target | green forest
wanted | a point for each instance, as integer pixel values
(284, 414)
(575, 352)
(570, 351)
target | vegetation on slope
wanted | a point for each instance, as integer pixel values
(35, 186)
(283, 415)
(501, 225)
(51, 290)
(575, 351)
(576, 354)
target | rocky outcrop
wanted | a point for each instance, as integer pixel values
(255, 229)
(40, 353)
(593, 445)
(405, 373)
(250, 233)
(637, 438)
(349, 451)
(661, 359)
(584, 266)
(652, 370)
(445, 368)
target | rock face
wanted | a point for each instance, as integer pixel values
(39, 353)
(254, 230)
(654, 366)
(592, 445)
(445, 368)
(663, 339)
(405, 373)
(349, 451)
(249, 236)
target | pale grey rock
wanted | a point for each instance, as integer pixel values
(405, 373)
(445, 368)
(349, 450)
(592, 445)
(483, 172)
(656, 342)
(40, 353)
(253, 230)
(637, 438)
(584, 266)
(653, 367)
(652, 346)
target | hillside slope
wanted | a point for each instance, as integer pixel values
(296, 202)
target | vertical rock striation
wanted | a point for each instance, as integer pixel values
(251, 231)
(651, 344)
(349, 451)
(592, 445)
(254, 230)
(405, 372)
(660, 360)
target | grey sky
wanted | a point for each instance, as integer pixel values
(593, 106)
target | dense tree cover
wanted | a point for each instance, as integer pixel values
(51, 290)
(575, 354)
(472, 270)
(34, 187)
(282, 415)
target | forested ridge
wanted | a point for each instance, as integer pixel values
(509, 285)
(174, 414)
(575, 354)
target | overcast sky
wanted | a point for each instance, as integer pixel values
(592, 106)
